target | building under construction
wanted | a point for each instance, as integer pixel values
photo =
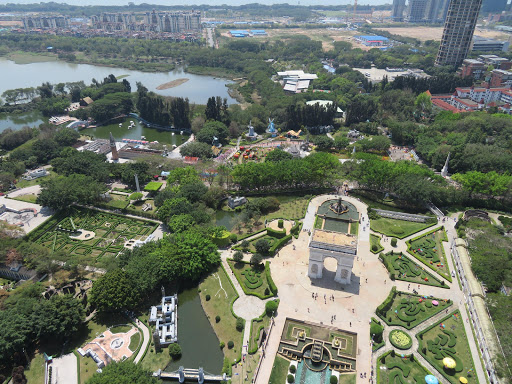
(44, 22)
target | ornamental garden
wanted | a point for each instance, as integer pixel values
(93, 236)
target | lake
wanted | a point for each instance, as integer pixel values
(136, 132)
(15, 122)
(198, 88)
(199, 344)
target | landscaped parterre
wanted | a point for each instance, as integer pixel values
(395, 368)
(429, 250)
(407, 310)
(252, 278)
(400, 267)
(445, 346)
(105, 234)
(397, 228)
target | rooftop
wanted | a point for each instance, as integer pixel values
(335, 238)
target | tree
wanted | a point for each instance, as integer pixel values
(213, 129)
(193, 192)
(262, 246)
(341, 142)
(197, 149)
(136, 196)
(59, 318)
(63, 191)
(113, 292)
(256, 259)
(238, 256)
(323, 143)
(71, 161)
(180, 223)
(423, 104)
(175, 351)
(176, 206)
(125, 372)
(271, 307)
(278, 155)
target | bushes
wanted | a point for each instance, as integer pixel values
(393, 241)
(256, 259)
(386, 304)
(238, 256)
(217, 318)
(226, 366)
(270, 282)
(231, 344)
(276, 234)
(399, 339)
(222, 345)
(233, 238)
(262, 246)
(175, 351)
(278, 244)
(208, 297)
(293, 369)
(333, 380)
(374, 250)
(271, 307)
(290, 379)
(280, 223)
(240, 323)
(295, 229)
(376, 330)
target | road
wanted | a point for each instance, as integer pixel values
(209, 37)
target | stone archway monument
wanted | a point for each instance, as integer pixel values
(340, 246)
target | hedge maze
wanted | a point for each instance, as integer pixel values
(447, 338)
(254, 280)
(400, 267)
(111, 232)
(400, 369)
(429, 250)
(408, 310)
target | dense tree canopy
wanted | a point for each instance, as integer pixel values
(125, 372)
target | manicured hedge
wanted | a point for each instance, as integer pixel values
(395, 344)
(279, 243)
(276, 234)
(153, 186)
(386, 304)
(295, 230)
(270, 282)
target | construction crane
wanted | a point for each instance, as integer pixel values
(355, 10)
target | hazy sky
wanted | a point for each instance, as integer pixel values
(212, 2)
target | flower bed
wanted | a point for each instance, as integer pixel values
(399, 339)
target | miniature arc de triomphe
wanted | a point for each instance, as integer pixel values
(324, 244)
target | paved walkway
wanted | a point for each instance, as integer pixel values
(353, 305)
(64, 369)
(146, 338)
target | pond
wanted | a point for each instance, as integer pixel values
(198, 88)
(226, 218)
(199, 344)
(136, 132)
(16, 122)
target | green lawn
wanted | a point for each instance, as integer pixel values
(403, 268)
(397, 228)
(28, 198)
(406, 310)
(319, 222)
(153, 361)
(251, 278)
(29, 183)
(429, 250)
(134, 342)
(395, 369)
(121, 328)
(375, 245)
(279, 371)
(35, 372)
(118, 201)
(448, 339)
(348, 378)
(220, 304)
(354, 229)
(138, 205)
(291, 208)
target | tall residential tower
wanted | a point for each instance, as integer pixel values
(458, 31)
(398, 10)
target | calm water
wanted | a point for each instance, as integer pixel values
(198, 89)
(136, 132)
(199, 344)
(226, 218)
(15, 122)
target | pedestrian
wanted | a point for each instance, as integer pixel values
(350, 324)
(366, 280)
(384, 281)
(308, 310)
(353, 310)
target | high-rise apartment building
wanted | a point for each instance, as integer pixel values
(458, 31)
(416, 10)
(398, 10)
(432, 11)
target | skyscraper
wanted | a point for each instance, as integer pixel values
(398, 10)
(458, 31)
(416, 10)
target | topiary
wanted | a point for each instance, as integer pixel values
(267, 291)
(374, 249)
(392, 353)
(240, 324)
(333, 380)
(208, 297)
(175, 351)
(290, 379)
(217, 318)
(233, 238)
(238, 256)
(293, 368)
(271, 307)
(230, 344)
(393, 241)
(280, 223)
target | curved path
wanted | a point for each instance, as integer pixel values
(145, 339)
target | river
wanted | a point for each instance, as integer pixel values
(198, 88)
(199, 344)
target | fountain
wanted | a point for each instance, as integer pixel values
(338, 207)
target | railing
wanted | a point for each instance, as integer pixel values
(477, 327)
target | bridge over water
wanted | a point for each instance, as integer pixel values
(186, 375)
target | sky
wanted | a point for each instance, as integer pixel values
(212, 2)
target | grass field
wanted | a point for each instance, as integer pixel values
(29, 183)
(134, 342)
(35, 372)
(448, 339)
(397, 228)
(222, 294)
(429, 250)
(291, 208)
(28, 198)
(279, 371)
(395, 369)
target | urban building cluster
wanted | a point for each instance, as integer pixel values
(420, 11)
(182, 25)
(476, 98)
(492, 69)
